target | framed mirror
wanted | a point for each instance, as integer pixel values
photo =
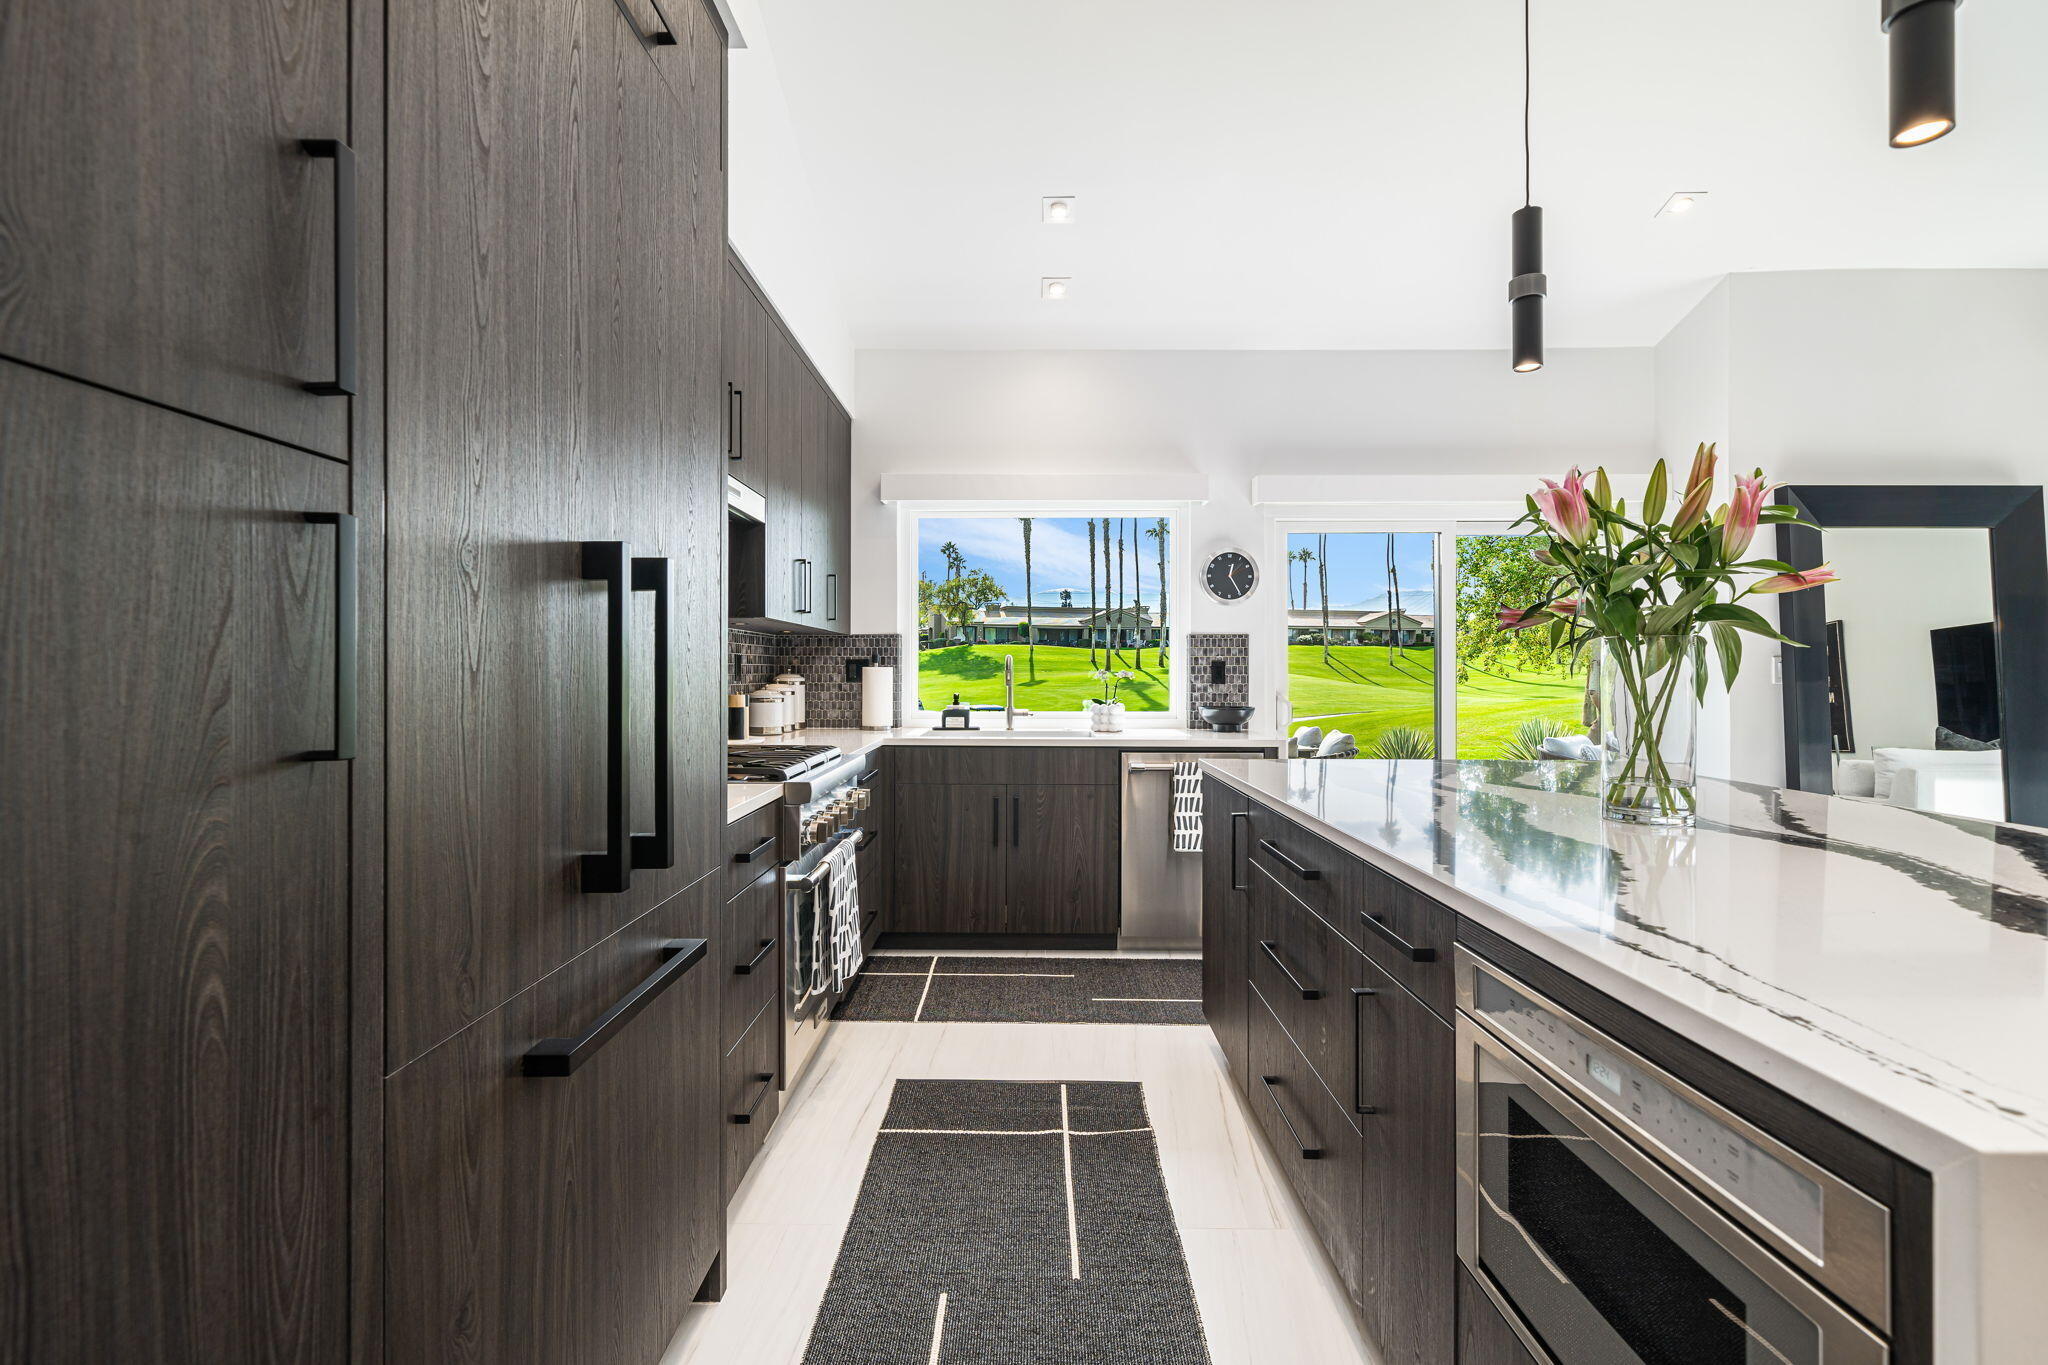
(1924, 678)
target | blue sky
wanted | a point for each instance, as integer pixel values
(1358, 570)
(1059, 554)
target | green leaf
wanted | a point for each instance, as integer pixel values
(1655, 494)
(1728, 645)
(1774, 565)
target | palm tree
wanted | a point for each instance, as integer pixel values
(1091, 593)
(1158, 532)
(1307, 557)
(1030, 636)
(1121, 577)
(1108, 601)
(1323, 581)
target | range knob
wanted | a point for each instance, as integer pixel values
(861, 798)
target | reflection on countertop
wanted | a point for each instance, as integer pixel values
(1886, 965)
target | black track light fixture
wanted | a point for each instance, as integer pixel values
(1528, 286)
(1921, 36)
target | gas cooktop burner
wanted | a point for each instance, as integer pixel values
(775, 762)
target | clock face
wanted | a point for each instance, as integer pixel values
(1230, 576)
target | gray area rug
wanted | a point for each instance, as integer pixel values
(1016, 1222)
(921, 988)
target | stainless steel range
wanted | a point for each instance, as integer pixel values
(820, 827)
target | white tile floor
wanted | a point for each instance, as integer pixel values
(1265, 1289)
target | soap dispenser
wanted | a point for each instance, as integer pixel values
(957, 717)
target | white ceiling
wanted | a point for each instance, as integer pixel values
(1339, 173)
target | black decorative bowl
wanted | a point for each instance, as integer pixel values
(1229, 720)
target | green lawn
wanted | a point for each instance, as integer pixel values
(1360, 691)
(1059, 680)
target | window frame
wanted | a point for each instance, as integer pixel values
(1179, 578)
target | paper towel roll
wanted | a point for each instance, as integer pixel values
(877, 698)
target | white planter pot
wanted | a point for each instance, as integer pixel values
(1106, 717)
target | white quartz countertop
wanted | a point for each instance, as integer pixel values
(1885, 965)
(744, 798)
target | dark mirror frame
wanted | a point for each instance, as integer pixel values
(2019, 606)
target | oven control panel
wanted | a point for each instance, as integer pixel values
(1661, 1108)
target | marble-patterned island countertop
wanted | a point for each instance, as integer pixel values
(1887, 966)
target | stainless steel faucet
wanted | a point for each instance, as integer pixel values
(1009, 691)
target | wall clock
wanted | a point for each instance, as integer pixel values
(1231, 576)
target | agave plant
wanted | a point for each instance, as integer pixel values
(1526, 741)
(1404, 741)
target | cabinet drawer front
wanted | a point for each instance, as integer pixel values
(1294, 949)
(1005, 764)
(750, 1098)
(1405, 932)
(750, 837)
(1291, 1108)
(1317, 872)
(748, 954)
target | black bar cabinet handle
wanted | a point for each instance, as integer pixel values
(562, 1056)
(756, 851)
(1400, 945)
(1358, 1104)
(665, 36)
(831, 597)
(1016, 820)
(995, 828)
(766, 1080)
(1235, 851)
(658, 850)
(1273, 850)
(1272, 1084)
(345, 632)
(1307, 992)
(610, 561)
(747, 968)
(344, 159)
(735, 414)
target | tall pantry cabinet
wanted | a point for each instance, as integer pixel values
(362, 428)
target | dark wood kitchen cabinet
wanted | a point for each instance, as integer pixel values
(1226, 915)
(789, 440)
(163, 233)
(576, 398)
(1032, 850)
(562, 1220)
(176, 942)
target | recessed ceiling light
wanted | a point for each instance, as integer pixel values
(1684, 201)
(1057, 208)
(1054, 287)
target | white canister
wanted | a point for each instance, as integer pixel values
(793, 684)
(768, 711)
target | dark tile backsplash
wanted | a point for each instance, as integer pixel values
(825, 662)
(1204, 652)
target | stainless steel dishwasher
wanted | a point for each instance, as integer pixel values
(1162, 888)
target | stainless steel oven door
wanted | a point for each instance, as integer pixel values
(1599, 1256)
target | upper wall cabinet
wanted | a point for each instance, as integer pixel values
(177, 206)
(555, 381)
(788, 439)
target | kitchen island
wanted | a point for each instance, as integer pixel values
(1886, 969)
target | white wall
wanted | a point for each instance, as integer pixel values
(1229, 416)
(1854, 376)
(772, 218)
(1897, 585)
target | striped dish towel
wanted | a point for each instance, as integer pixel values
(1187, 807)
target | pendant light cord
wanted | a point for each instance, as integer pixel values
(1527, 197)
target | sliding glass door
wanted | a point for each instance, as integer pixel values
(1513, 691)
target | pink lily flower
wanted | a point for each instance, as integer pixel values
(1521, 618)
(1567, 607)
(1743, 511)
(1797, 581)
(1566, 509)
(1699, 492)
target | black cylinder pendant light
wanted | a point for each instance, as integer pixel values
(1527, 288)
(1921, 35)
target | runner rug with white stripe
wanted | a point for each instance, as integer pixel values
(1026, 990)
(1020, 1222)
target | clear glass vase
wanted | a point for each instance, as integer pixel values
(1648, 727)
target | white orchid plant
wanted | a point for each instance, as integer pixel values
(1112, 680)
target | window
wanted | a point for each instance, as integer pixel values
(1064, 595)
